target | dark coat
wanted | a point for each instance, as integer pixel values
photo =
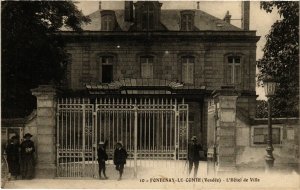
(102, 155)
(120, 156)
(193, 152)
(12, 151)
(27, 159)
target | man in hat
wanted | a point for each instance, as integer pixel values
(12, 152)
(120, 156)
(194, 155)
(102, 157)
(27, 157)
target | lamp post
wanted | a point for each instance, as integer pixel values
(269, 86)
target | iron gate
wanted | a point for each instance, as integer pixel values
(150, 129)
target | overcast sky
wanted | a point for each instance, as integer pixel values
(259, 19)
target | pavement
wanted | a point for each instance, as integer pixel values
(170, 178)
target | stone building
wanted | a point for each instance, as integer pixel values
(147, 45)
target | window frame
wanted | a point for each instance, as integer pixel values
(265, 127)
(108, 21)
(146, 12)
(231, 79)
(187, 20)
(99, 64)
(147, 62)
(188, 64)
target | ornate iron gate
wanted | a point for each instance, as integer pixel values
(150, 129)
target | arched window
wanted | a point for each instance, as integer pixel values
(107, 20)
(146, 66)
(188, 64)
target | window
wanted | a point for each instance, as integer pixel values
(188, 63)
(107, 69)
(260, 135)
(148, 17)
(233, 74)
(187, 20)
(147, 66)
(107, 23)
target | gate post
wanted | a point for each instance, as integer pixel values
(46, 131)
(225, 100)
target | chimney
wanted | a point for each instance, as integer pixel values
(128, 11)
(227, 17)
(245, 15)
(100, 5)
(198, 5)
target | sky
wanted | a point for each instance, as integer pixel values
(260, 21)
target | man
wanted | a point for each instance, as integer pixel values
(27, 157)
(120, 156)
(102, 157)
(12, 151)
(194, 155)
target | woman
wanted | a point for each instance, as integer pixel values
(27, 157)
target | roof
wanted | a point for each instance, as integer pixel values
(169, 18)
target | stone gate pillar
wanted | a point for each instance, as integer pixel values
(46, 138)
(225, 100)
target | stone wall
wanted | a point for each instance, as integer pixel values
(209, 67)
(250, 155)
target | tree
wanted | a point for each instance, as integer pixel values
(32, 50)
(280, 59)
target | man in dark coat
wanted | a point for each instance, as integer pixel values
(194, 155)
(102, 157)
(13, 159)
(120, 156)
(27, 157)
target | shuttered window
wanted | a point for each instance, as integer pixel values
(148, 17)
(188, 63)
(147, 66)
(233, 71)
(186, 22)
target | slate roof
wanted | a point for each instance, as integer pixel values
(169, 18)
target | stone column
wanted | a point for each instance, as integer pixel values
(225, 100)
(46, 134)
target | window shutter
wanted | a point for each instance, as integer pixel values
(229, 74)
(144, 70)
(237, 74)
(184, 72)
(190, 73)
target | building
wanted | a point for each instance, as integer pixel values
(151, 54)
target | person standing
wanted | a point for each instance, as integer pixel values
(102, 157)
(13, 159)
(120, 156)
(194, 155)
(27, 157)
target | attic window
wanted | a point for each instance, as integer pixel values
(107, 20)
(148, 17)
(187, 20)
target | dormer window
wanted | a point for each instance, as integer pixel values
(107, 20)
(148, 17)
(187, 21)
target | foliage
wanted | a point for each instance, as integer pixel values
(280, 59)
(32, 51)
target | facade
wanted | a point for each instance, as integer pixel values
(138, 48)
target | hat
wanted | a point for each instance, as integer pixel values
(194, 138)
(120, 143)
(101, 142)
(27, 135)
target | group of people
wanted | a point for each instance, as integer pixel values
(20, 157)
(120, 156)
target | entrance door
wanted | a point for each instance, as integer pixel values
(151, 130)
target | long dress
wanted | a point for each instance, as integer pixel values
(12, 152)
(27, 159)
